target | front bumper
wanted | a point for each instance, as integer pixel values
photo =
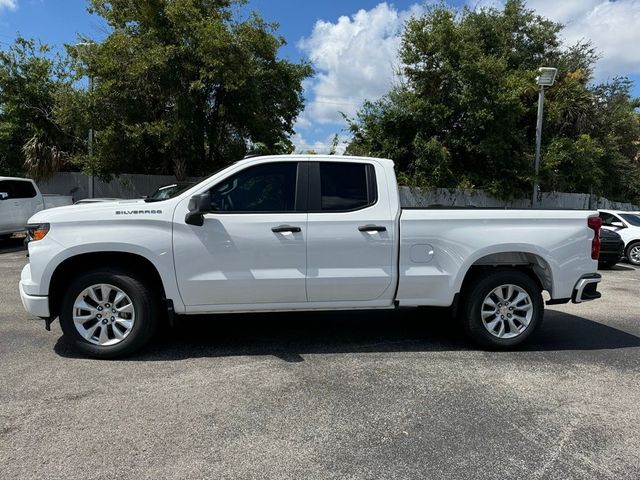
(587, 288)
(35, 304)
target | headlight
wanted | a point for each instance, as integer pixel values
(37, 232)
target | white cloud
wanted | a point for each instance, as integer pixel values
(8, 4)
(612, 27)
(355, 57)
(319, 146)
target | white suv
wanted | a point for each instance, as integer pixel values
(627, 225)
(19, 200)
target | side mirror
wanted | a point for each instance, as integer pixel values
(198, 206)
(618, 224)
(4, 195)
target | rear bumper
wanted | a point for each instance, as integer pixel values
(611, 251)
(587, 288)
(613, 258)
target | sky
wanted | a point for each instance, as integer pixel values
(352, 44)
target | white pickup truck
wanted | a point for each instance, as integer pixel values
(300, 233)
(20, 198)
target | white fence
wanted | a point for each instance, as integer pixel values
(442, 197)
(136, 186)
(124, 186)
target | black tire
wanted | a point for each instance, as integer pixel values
(145, 305)
(478, 288)
(607, 265)
(628, 253)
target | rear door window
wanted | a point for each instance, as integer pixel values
(345, 186)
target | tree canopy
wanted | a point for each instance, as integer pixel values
(179, 86)
(464, 112)
(30, 137)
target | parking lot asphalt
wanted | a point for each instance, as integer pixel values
(371, 394)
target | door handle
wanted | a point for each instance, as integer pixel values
(372, 228)
(285, 228)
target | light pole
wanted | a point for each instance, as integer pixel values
(546, 77)
(90, 135)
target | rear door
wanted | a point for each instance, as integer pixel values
(350, 233)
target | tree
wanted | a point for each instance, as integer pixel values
(466, 109)
(183, 87)
(31, 139)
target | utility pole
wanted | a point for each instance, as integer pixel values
(90, 135)
(545, 79)
(90, 145)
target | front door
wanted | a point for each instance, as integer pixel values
(252, 250)
(351, 234)
(28, 203)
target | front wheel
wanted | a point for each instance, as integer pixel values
(501, 309)
(633, 253)
(108, 313)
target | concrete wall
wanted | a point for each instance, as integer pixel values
(136, 186)
(124, 186)
(416, 197)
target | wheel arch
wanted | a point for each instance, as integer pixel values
(534, 265)
(126, 261)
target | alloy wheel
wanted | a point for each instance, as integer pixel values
(507, 311)
(103, 314)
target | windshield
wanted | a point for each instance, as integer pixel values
(631, 218)
(169, 191)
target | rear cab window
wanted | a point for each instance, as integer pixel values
(341, 186)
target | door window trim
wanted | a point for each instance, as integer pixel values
(315, 192)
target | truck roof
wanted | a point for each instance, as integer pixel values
(314, 157)
(17, 178)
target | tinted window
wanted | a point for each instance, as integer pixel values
(344, 186)
(631, 218)
(270, 187)
(18, 188)
(5, 188)
(607, 218)
(169, 191)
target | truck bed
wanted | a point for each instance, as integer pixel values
(437, 246)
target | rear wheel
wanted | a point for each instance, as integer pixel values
(633, 253)
(501, 309)
(108, 313)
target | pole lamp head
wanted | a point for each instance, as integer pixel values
(546, 77)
